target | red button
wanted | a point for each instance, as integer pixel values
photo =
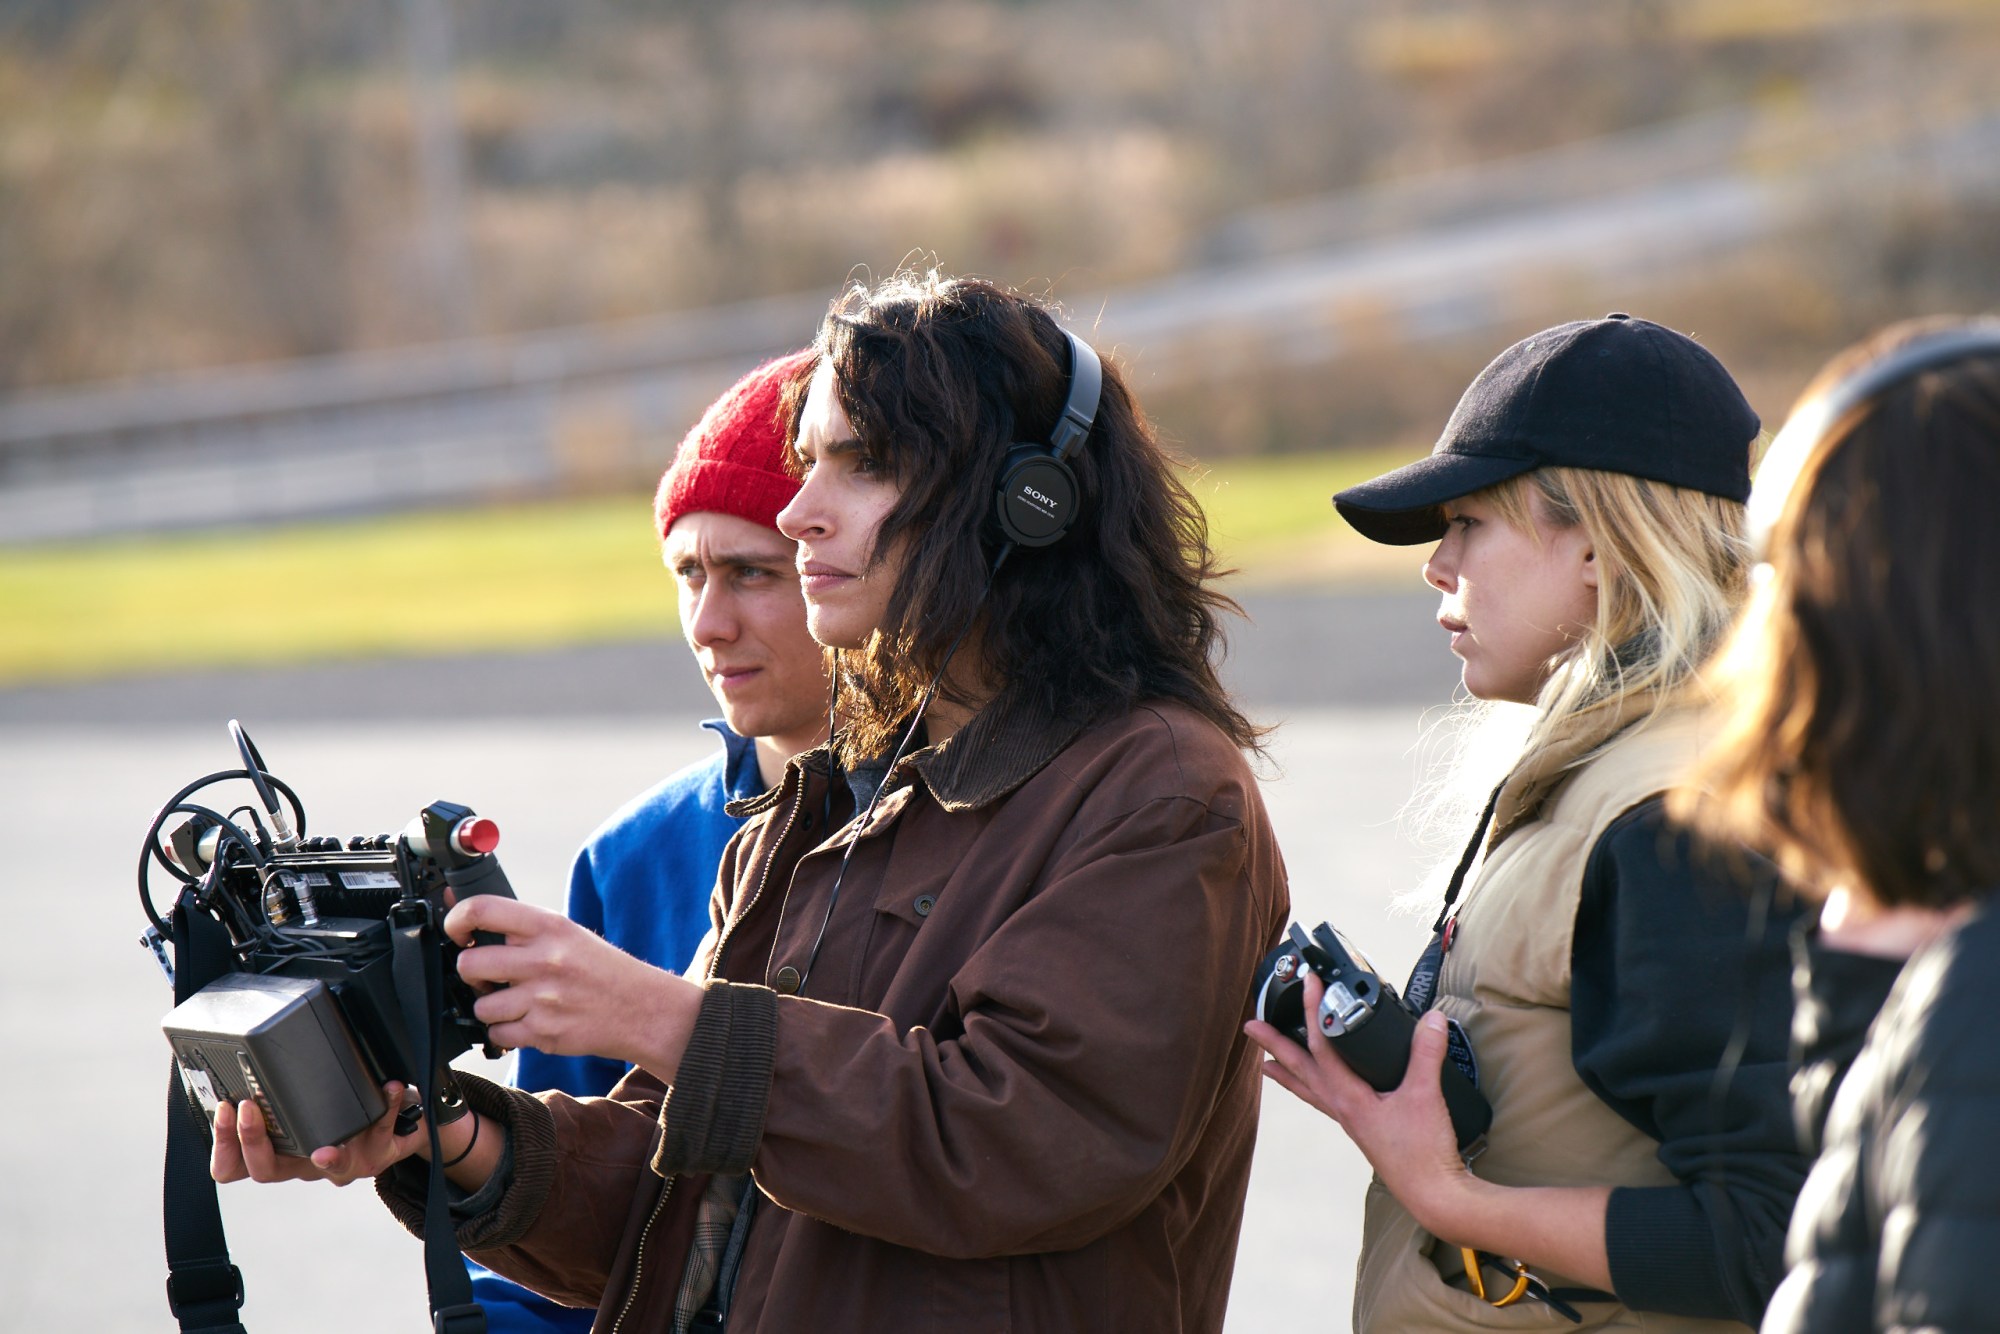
(476, 836)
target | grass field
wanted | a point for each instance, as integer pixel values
(516, 577)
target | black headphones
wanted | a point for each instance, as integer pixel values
(1802, 434)
(1037, 497)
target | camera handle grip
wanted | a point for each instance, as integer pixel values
(1379, 1051)
(482, 876)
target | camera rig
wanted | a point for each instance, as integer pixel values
(1363, 1019)
(307, 973)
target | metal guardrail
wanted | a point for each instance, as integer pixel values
(500, 417)
(527, 415)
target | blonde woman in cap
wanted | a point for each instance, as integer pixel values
(1590, 970)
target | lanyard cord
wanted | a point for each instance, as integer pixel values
(1465, 858)
(909, 734)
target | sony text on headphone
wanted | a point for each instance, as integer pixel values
(1037, 496)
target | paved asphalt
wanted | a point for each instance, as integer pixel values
(549, 743)
(1302, 648)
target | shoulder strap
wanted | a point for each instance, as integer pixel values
(1451, 891)
(204, 1289)
(417, 958)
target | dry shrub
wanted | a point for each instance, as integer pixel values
(1773, 314)
(226, 180)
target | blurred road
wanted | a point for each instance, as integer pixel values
(1297, 648)
(549, 744)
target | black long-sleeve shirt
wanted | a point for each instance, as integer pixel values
(1670, 975)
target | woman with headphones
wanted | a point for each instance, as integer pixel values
(1862, 747)
(963, 1049)
(1589, 966)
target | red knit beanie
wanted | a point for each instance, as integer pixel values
(733, 461)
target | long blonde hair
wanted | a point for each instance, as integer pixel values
(1673, 570)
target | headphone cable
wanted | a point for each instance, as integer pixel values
(909, 734)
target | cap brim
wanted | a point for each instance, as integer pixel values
(1401, 508)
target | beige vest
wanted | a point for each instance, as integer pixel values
(1507, 979)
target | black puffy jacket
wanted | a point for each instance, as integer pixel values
(1898, 1227)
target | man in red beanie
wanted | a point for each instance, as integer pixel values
(642, 881)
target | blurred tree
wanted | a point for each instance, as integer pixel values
(217, 181)
(439, 152)
(1282, 91)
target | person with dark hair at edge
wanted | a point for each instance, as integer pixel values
(965, 1050)
(1591, 969)
(643, 879)
(1859, 743)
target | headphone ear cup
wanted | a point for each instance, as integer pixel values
(1036, 502)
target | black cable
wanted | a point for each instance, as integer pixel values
(150, 850)
(253, 762)
(833, 751)
(152, 833)
(153, 851)
(264, 840)
(228, 775)
(241, 925)
(909, 734)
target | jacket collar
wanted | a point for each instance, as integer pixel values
(741, 778)
(1000, 748)
(818, 760)
(1537, 779)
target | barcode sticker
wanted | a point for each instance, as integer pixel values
(369, 879)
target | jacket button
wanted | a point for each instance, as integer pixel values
(925, 902)
(787, 981)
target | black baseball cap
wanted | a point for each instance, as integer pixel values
(1616, 394)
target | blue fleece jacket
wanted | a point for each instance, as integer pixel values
(642, 881)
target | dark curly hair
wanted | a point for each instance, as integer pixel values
(938, 376)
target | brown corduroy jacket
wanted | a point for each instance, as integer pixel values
(1015, 1094)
